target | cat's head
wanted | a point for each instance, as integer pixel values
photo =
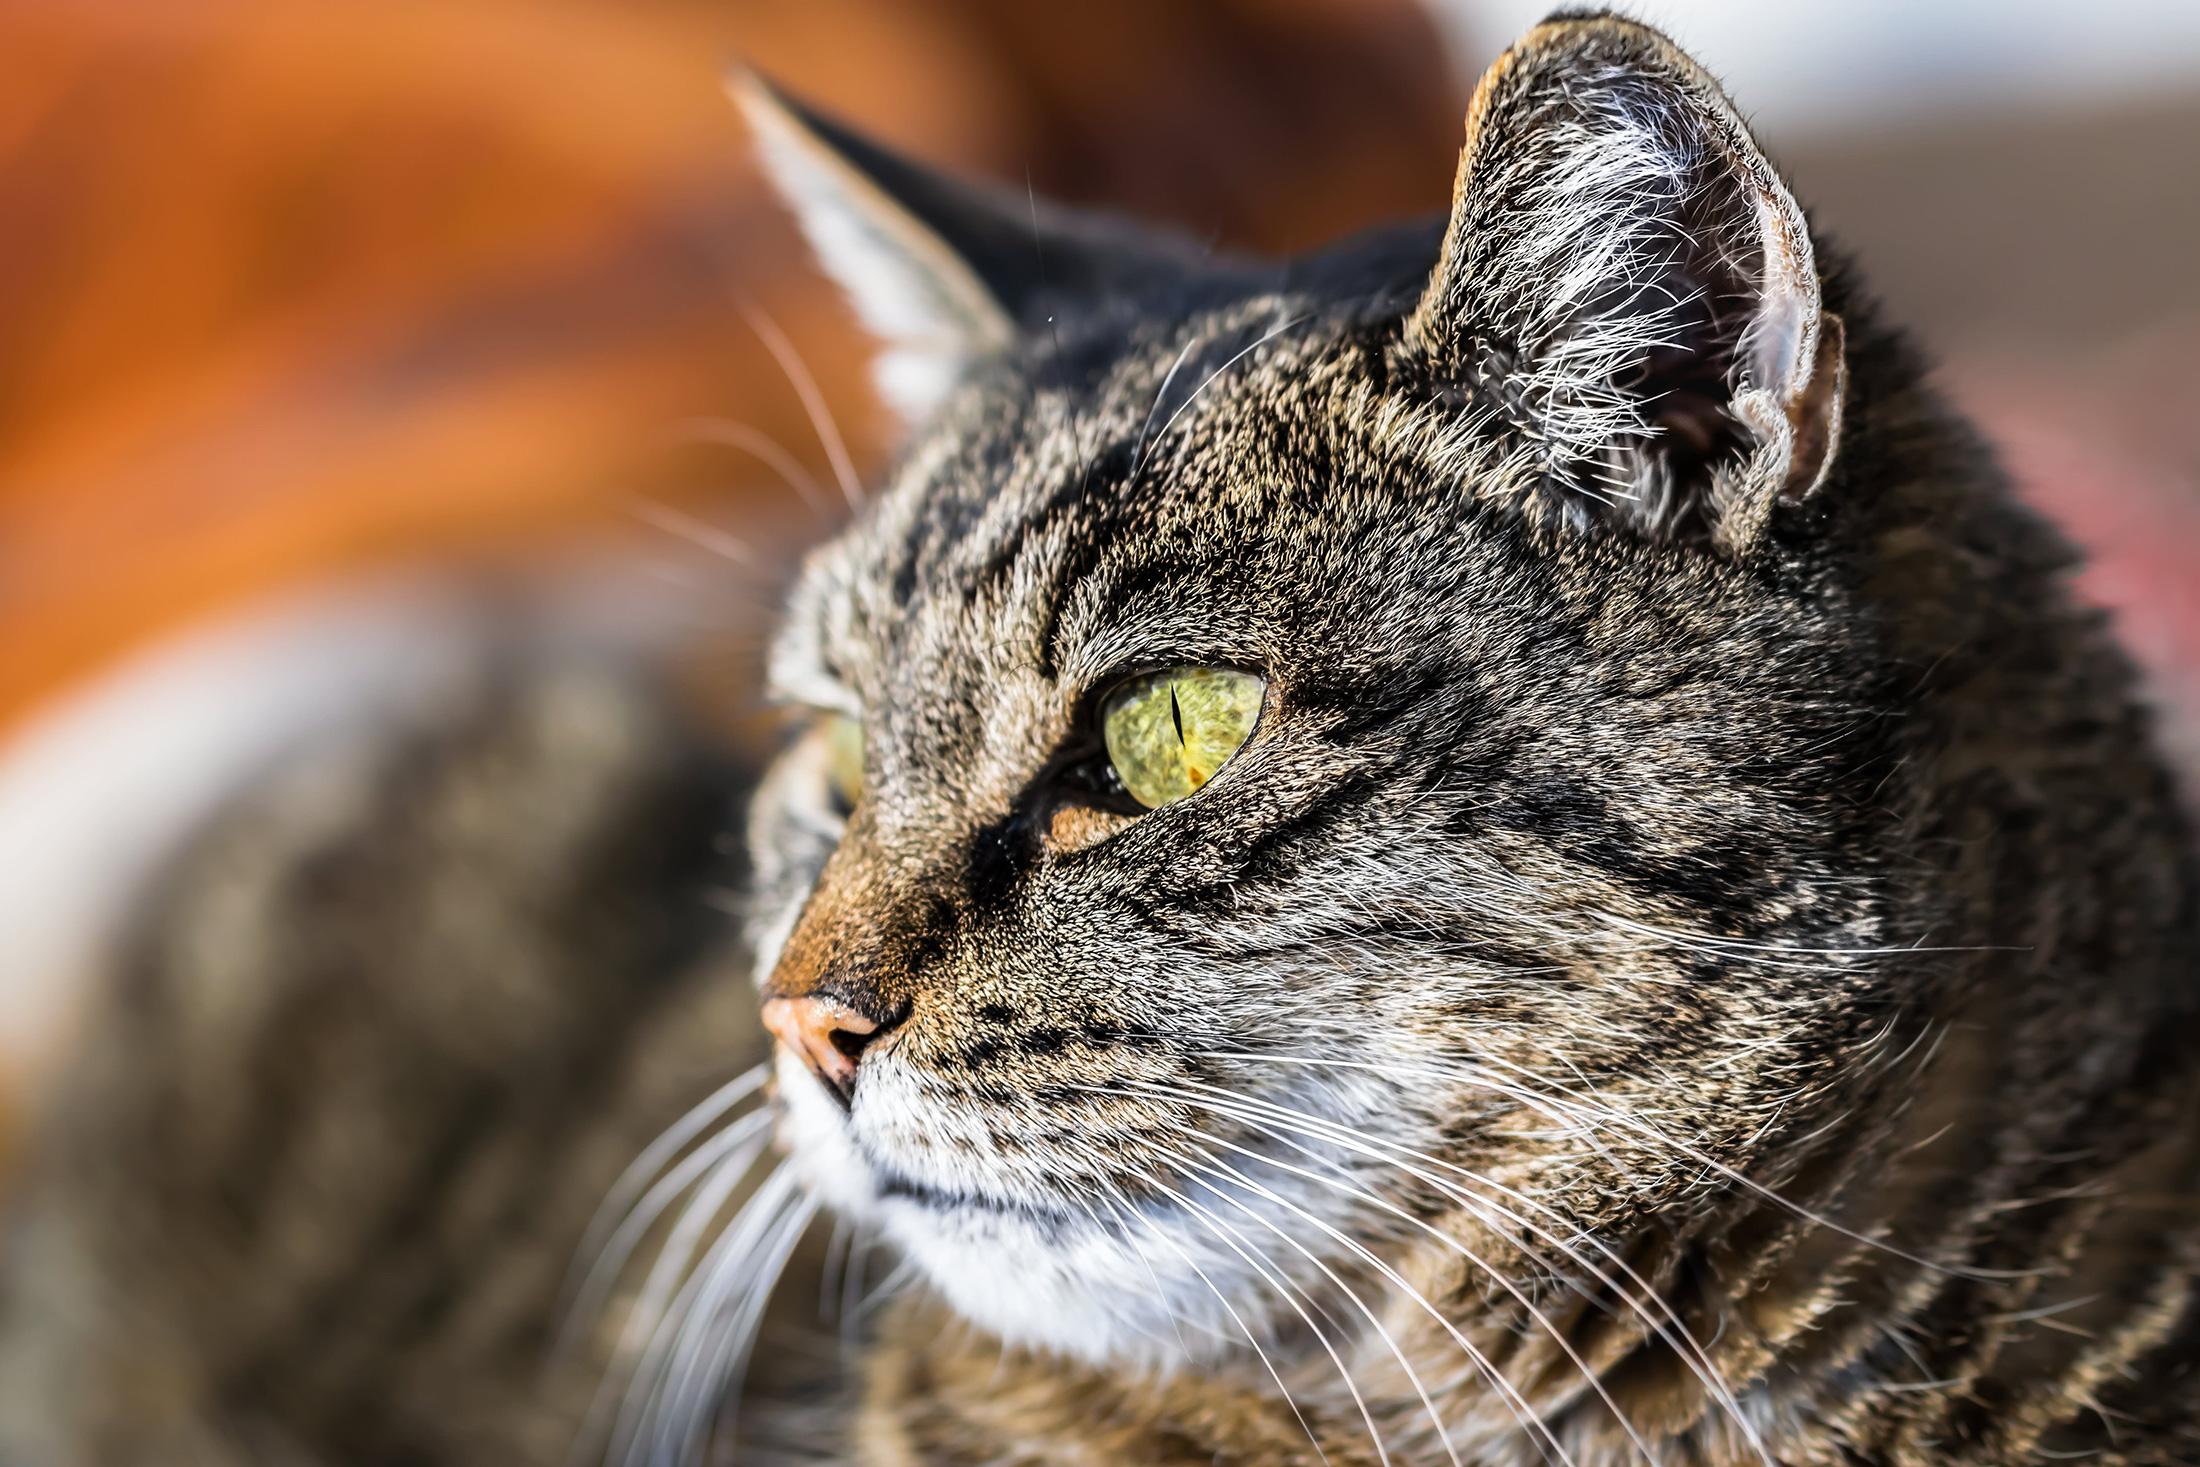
(1309, 753)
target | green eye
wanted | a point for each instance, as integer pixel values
(1168, 732)
(844, 757)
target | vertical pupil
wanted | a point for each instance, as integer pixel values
(1193, 774)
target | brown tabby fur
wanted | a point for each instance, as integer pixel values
(1699, 926)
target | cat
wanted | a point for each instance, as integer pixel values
(1496, 844)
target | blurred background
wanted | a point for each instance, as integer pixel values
(336, 332)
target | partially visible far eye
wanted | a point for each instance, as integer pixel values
(844, 758)
(1169, 732)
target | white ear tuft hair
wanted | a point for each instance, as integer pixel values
(1627, 282)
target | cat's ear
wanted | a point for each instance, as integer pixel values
(944, 271)
(1626, 283)
(884, 229)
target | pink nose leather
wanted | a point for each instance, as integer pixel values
(827, 1036)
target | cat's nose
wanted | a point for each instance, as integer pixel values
(826, 1035)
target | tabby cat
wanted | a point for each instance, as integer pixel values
(1494, 845)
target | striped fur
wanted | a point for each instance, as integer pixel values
(1695, 962)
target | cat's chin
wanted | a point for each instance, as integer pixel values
(1046, 1283)
(1132, 1295)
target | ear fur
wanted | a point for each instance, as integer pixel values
(907, 284)
(942, 270)
(1627, 283)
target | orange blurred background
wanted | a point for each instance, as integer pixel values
(288, 289)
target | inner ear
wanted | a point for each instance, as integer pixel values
(1629, 290)
(1714, 323)
(1739, 359)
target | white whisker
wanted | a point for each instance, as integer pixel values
(1276, 1280)
(644, 1168)
(1473, 1259)
(813, 402)
(1668, 1327)
(700, 533)
(760, 445)
(1138, 450)
(657, 1424)
(1212, 377)
(1235, 1318)
(733, 1150)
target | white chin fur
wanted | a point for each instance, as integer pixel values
(1147, 1292)
(1062, 1286)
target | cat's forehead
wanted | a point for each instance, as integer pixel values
(1103, 446)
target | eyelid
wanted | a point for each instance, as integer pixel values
(1092, 701)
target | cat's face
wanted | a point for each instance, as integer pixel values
(1468, 933)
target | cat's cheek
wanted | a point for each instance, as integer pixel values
(814, 1133)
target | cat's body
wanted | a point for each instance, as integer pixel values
(1694, 961)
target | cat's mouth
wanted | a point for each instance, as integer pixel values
(860, 1171)
(889, 1184)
